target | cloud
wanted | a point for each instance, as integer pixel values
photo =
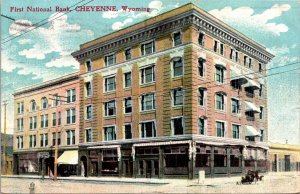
(283, 55)
(32, 53)
(155, 6)
(65, 61)
(24, 41)
(244, 17)
(20, 26)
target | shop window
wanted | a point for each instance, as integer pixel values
(220, 157)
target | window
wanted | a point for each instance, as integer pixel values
(222, 49)
(147, 102)
(177, 97)
(219, 74)
(88, 112)
(20, 142)
(44, 103)
(127, 131)
(88, 65)
(71, 95)
(127, 54)
(232, 54)
(250, 63)
(20, 124)
(110, 108)
(34, 122)
(236, 131)
(147, 75)
(32, 141)
(44, 120)
(44, 140)
(30, 122)
(127, 79)
(20, 107)
(201, 126)
(220, 128)
(128, 105)
(148, 129)
(54, 138)
(245, 60)
(56, 100)
(236, 56)
(260, 91)
(177, 126)
(88, 88)
(259, 67)
(71, 116)
(216, 46)
(235, 106)
(110, 59)
(177, 66)
(148, 48)
(59, 118)
(88, 135)
(261, 135)
(177, 38)
(261, 114)
(110, 84)
(33, 105)
(201, 96)
(201, 67)
(201, 39)
(220, 101)
(71, 137)
(54, 119)
(110, 133)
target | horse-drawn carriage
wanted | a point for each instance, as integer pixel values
(250, 177)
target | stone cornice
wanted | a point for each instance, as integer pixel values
(193, 17)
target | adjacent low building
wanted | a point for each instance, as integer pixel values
(172, 95)
(40, 110)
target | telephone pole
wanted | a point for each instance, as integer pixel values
(4, 140)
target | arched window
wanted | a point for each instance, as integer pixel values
(44, 103)
(33, 105)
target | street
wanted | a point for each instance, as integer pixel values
(270, 184)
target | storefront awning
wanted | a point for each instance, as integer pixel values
(235, 75)
(105, 147)
(251, 131)
(250, 107)
(68, 157)
(252, 84)
(161, 143)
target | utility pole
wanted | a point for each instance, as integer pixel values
(4, 139)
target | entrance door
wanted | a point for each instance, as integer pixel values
(148, 168)
(287, 162)
(128, 167)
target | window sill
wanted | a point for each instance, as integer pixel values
(127, 114)
(109, 92)
(220, 111)
(88, 97)
(127, 88)
(201, 77)
(88, 120)
(177, 107)
(68, 124)
(147, 111)
(202, 106)
(174, 78)
(110, 117)
(147, 84)
(236, 114)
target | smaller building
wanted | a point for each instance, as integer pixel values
(7, 161)
(284, 157)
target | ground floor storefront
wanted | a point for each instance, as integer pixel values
(170, 159)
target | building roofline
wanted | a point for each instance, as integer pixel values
(180, 10)
(45, 84)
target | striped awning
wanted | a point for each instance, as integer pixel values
(68, 157)
(161, 143)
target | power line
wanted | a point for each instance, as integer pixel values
(31, 29)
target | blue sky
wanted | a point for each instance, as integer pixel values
(44, 53)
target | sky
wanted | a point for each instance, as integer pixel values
(31, 55)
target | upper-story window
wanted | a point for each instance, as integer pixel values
(88, 88)
(127, 53)
(202, 126)
(20, 142)
(54, 138)
(71, 137)
(249, 62)
(147, 74)
(56, 100)
(260, 67)
(44, 103)
(20, 124)
(177, 126)
(262, 135)
(110, 133)
(216, 46)
(148, 48)
(128, 105)
(44, 140)
(236, 132)
(44, 121)
(220, 74)
(201, 67)
(220, 128)
(20, 107)
(260, 91)
(110, 83)
(54, 119)
(235, 106)
(177, 67)
(127, 131)
(33, 105)
(88, 135)
(177, 38)
(127, 79)
(201, 38)
(88, 112)
(32, 141)
(71, 95)
(222, 49)
(88, 65)
(148, 102)
(110, 108)
(59, 118)
(177, 97)
(232, 54)
(33, 122)
(110, 59)
(261, 114)
(202, 96)
(237, 58)
(220, 101)
(71, 116)
(148, 129)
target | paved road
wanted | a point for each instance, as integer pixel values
(277, 184)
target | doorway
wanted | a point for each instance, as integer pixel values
(287, 162)
(83, 166)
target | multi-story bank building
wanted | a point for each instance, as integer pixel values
(172, 95)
